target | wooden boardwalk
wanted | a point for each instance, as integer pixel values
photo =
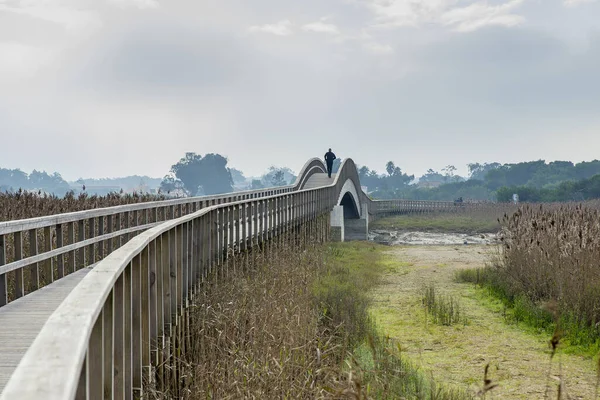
(22, 320)
(160, 252)
(319, 180)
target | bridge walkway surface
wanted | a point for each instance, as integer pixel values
(22, 320)
(319, 180)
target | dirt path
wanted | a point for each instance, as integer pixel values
(519, 360)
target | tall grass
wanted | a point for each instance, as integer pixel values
(294, 323)
(443, 309)
(547, 271)
(21, 204)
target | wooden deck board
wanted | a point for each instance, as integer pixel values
(22, 320)
(319, 180)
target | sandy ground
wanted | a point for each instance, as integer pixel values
(519, 359)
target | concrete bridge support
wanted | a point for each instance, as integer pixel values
(357, 228)
(337, 224)
(347, 229)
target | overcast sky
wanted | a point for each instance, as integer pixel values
(97, 88)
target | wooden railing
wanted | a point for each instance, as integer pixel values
(35, 252)
(121, 325)
(412, 206)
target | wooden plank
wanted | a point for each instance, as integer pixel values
(27, 315)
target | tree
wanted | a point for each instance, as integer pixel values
(431, 176)
(256, 184)
(207, 175)
(237, 176)
(390, 167)
(478, 171)
(277, 179)
(170, 183)
(287, 176)
(449, 172)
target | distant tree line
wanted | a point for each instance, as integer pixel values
(531, 180)
(11, 180)
(195, 175)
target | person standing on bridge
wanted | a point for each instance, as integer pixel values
(329, 157)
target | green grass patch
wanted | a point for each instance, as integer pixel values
(442, 309)
(455, 223)
(578, 336)
(375, 364)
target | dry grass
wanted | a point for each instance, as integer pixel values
(547, 265)
(22, 205)
(292, 322)
(550, 254)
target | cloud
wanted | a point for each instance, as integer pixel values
(281, 28)
(452, 13)
(378, 48)
(574, 3)
(478, 15)
(19, 61)
(141, 4)
(322, 27)
(71, 18)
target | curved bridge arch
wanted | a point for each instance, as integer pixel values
(350, 200)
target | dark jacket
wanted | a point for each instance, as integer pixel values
(329, 157)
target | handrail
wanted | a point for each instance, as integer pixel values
(71, 348)
(101, 229)
(13, 226)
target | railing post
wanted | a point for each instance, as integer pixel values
(244, 227)
(109, 229)
(34, 271)
(3, 280)
(60, 260)
(148, 310)
(126, 224)
(48, 264)
(95, 361)
(183, 280)
(127, 332)
(101, 244)
(73, 253)
(167, 299)
(173, 276)
(81, 251)
(119, 370)
(19, 279)
(92, 234)
(160, 310)
(108, 339)
(136, 325)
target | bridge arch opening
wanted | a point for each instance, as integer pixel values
(350, 207)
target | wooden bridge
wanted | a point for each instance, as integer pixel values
(94, 303)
